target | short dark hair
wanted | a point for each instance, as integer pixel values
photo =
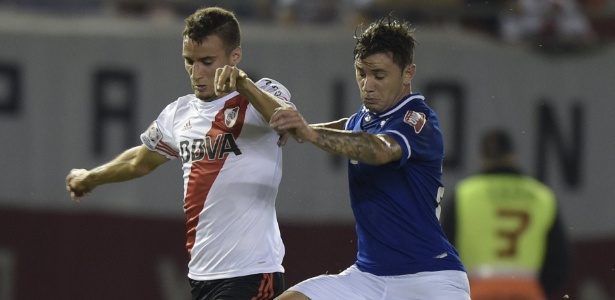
(387, 35)
(213, 21)
(496, 144)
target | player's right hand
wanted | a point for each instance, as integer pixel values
(75, 184)
(288, 119)
(227, 78)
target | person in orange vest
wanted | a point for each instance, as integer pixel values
(507, 228)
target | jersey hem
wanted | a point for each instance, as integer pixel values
(233, 274)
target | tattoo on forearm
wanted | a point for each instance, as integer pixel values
(359, 146)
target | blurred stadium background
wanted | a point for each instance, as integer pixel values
(80, 80)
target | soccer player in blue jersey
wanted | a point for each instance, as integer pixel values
(395, 150)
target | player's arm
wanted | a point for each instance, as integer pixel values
(132, 163)
(231, 78)
(360, 146)
(338, 124)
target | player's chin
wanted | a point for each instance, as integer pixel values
(204, 95)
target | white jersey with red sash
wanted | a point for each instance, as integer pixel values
(232, 168)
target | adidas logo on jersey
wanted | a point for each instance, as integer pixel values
(187, 126)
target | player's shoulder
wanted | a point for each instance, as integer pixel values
(274, 87)
(185, 100)
(180, 104)
(409, 104)
(416, 101)
(263, 82)
(415, 109)
(539, 186)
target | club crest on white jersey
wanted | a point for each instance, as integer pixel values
(230, 116)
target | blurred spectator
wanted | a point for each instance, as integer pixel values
(62, 7)
(322, 12)
(602, 13)
(483, 16)
(553, 25)
(507, 228)
(433, 12)
(249, 10)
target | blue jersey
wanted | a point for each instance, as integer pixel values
(396, 205)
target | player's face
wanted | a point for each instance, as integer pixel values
(381, 82)
(201, 61)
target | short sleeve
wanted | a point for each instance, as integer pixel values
(158, 135)
(411, 130)
(275, 88)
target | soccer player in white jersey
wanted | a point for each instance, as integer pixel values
(395, 151)
(231, 162)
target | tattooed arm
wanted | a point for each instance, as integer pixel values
(360, 146)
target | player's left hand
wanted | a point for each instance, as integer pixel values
(226, 79)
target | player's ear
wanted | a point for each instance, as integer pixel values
(408, 73)
(236, 56)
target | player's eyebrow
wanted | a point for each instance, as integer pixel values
(210, 57)
(372, 70)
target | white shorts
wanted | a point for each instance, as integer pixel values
(357, 285)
